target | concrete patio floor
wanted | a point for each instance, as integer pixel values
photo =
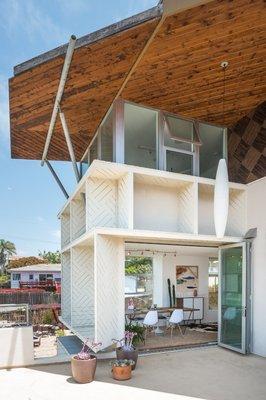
(205, 373)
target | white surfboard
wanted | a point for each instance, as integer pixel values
(221, 199)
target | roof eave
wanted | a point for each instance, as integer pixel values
(100, 34)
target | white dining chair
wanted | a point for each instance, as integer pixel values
(175, 320)
(150, 321)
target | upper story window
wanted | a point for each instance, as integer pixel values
(146, 137)
(213, 148)
(140, 136)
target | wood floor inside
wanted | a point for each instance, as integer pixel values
(190, 338)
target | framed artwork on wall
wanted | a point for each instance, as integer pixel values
(186, 280)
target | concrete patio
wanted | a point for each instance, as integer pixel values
(206, 373)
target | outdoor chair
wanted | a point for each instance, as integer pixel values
(150, 321)
(175, 320)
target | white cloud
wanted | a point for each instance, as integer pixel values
(31, 20)
(9, 188)
(40, 219)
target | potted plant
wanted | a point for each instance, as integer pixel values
(83, 365)
(127, 345)
(121, 369)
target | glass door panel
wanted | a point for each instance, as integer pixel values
(232, 297)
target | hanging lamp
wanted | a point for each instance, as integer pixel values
(221, 188)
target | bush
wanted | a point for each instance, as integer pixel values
(47, 317)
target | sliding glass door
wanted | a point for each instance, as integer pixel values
(234, 297)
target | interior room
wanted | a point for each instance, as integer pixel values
(190, 275)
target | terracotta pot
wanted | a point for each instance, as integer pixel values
(127, 355)
(121, 373)
(83, 371)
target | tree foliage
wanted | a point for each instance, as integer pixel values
(138, 265)
(51, 257)
(6, 249)
(24, 261)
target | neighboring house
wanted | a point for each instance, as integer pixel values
(35, 274)
(150, 113)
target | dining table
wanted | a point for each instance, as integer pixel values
(130, 315)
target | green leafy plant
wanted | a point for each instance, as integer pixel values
(60, 332)
(138, 265)
(138, 331)
(51, 257)
(6, 249)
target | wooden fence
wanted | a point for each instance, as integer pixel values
(31, 298)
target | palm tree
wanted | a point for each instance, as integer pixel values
(6, 249)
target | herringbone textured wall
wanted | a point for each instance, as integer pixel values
(109, 289)
(101, 203)
(236, 222)
(186, 202)
(125, 201)
(82, 286)
(66, 287)
(65, 230)
(77, 217)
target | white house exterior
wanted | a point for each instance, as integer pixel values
(34, 273)
(122, 205)
(149, 106)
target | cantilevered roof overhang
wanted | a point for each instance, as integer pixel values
(168, 61)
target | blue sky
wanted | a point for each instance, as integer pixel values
(30, 199)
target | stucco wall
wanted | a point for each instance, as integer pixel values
(256, 218)
(16, 346)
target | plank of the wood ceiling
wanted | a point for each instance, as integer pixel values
(97, 72)
(180, 72)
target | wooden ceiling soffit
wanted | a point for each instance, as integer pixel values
(97, 72)
(180, 71)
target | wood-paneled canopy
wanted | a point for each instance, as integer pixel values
(179, 71)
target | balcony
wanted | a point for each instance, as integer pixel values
(145, 137)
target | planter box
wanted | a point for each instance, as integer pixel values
(16, 347)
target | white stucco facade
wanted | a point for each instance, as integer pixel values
(128, 204)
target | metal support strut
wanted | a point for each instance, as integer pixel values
(57, 178)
